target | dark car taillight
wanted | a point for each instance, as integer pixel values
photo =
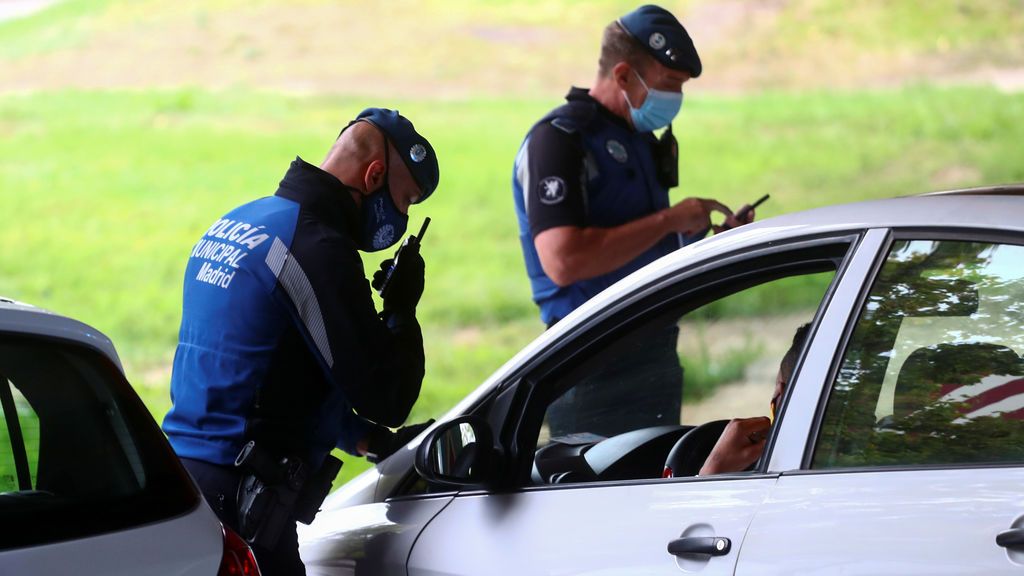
(238, 559)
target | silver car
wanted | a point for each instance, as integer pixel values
(896, 448)
(88, 483)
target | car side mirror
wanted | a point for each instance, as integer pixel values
(458, 453)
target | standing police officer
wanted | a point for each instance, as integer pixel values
(280, 345)
(591, 180)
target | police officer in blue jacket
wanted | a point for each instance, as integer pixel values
(591, 181)
(280, 343)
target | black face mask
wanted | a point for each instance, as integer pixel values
(383, 224)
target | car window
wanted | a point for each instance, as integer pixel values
(617, 412)
(19, 428)
(79, 454)
(933, 373)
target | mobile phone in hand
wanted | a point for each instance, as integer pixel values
(742, 214)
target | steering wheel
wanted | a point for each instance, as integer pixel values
(689, 452)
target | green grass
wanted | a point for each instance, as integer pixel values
(893, 28)
(104, 194)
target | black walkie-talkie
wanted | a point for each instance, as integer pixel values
(408, 241)
(666, 159)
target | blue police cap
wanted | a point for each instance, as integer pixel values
(664, 38)
(414, 149)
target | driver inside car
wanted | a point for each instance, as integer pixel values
(743, 439)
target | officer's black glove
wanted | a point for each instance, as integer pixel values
(406, 285)
(382, 442)
(381, 275)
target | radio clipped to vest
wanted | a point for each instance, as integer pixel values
(666, 158)
(276, 492)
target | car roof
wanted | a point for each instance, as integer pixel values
(995, 208)
(975, 208)
(20, 318)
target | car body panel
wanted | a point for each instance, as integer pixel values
(588, 530)
(912, 522)
(370, 538)
(21, 318)
(189, 545)
(357, 532)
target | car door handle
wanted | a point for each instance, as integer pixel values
(1011, 538)
(711, 545)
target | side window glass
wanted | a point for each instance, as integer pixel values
(618, 413)
(933, 372)
(19, 439)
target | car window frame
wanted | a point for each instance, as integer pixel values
(892, 236)
(643, 304)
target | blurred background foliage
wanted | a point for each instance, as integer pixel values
(128, 126)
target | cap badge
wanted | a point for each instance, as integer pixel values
(657, 41)
(617, 151)
(417, 153)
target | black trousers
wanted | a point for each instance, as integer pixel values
(219, 485)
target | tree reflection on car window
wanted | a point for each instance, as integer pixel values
(933, 373)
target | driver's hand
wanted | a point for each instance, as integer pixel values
(739, 446)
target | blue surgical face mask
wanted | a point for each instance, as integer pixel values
(383, 223)
(658, 110)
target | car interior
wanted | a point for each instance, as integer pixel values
(677, 448)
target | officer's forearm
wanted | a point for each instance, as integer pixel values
(408, 362)
(569, 254)
(394, 366)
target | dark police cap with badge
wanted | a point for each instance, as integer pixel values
(658, 31)
(414, 149)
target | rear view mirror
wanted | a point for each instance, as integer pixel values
(458, 453)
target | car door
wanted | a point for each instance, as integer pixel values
(586, 496)
(916, 458)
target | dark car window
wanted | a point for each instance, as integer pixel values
(933, 373)
(79, 453)
(20, 428)
(616, 411)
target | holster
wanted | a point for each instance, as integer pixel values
(275, 492)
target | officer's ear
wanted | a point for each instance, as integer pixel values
(622, 73)
(374, 176)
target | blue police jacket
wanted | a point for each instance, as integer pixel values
(621, 185)
(279, 338)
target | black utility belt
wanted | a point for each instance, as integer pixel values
(275, 492)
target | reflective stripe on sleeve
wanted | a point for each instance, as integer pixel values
(297, 286)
